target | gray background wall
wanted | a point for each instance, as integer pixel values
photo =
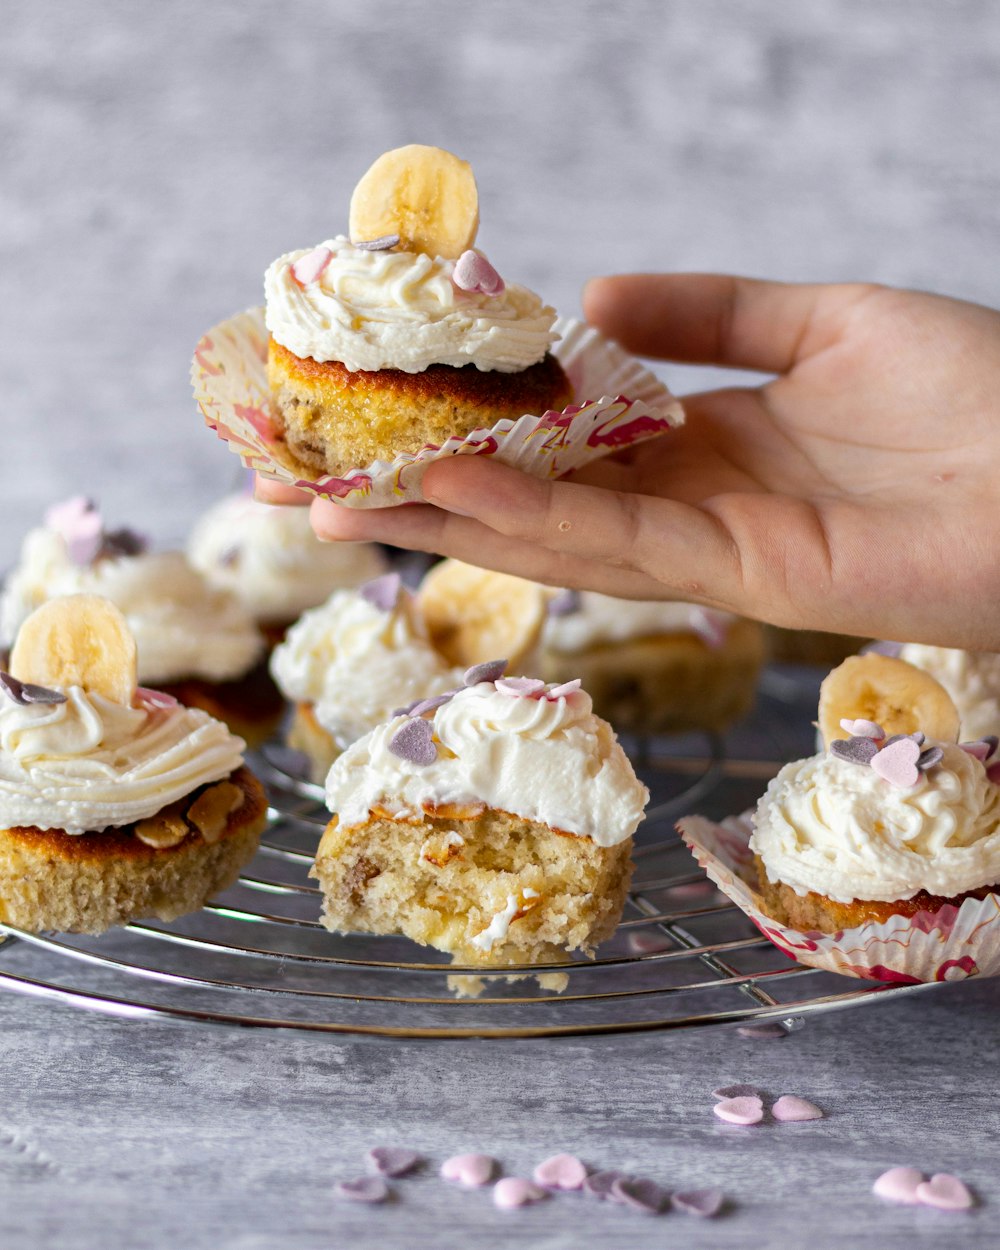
(155, 158)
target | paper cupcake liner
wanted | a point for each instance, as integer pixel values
(228, 374)
(947, 945)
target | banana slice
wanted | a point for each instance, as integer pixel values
(894, 694)
(474, 615)
(81, 640)
(425, 195)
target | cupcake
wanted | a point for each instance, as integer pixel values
(971, 678)
(494, 824)
(272, 562)
(654, 667)
(115, 802)
(196, 643)
(350, 663)
(402, 335)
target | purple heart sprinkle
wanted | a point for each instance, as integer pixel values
(363, 1189)
(641, 1195)
(432, 704)
(701, 1202)
(600, 1184)
(736, 1091)
(381, 244)
(520, 685)
(565, 603)
(123, 542)
(992, 741)
(23, 692)
(414, 742)
(489, 671)
(929, 758)
(917, 737)
(382, 592)
(854, 750)
(393, 1160)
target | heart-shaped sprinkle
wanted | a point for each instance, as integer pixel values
(711, 627)
(643, 943)
(123, 542)
(515, 1191)
(641, 1195)
(24, 692)
(790, 1108)
(863, 729)
(381, 244)
(762, 1032)
(917, 737)
(897, 763)
(363, 1189)
(431, 705)
(520, 686)
(599, 1184)
(474, 272)
(561, 1172)
(565, 603)
(414, 742)
(978, 750)
(382, 592)
(154, 698)
(854, 750)
(945, 1192)
(930, 758)
(309, 267)
(899, 1185)
(79, 523)
(564, 690)
(702, 1202)
(393, 1160)
(747, 1110)
(725, 1092)
(471, 1170)
(489, 671)
(992, 741)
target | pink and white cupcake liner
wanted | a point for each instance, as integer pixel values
(947, 945)
(228, 374)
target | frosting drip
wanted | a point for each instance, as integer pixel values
(972, 678)
(401, 310)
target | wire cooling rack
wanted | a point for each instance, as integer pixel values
(683, 956)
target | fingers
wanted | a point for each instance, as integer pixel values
(266, 490)
(719, 319)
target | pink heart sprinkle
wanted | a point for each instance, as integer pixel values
(567, 688)
(945, 1192)
(561, 1172)
(978, 750)
(762, 1032)
(897, 763)
(899, 1185)
(790, 1108)
(515, 1191)
(364, 1189)
(472, 1170)
(308, 268)
(702, 1202)
(474, 272)
(863, 729)
(154, 698)
(641, 943)
(748, 1110)
(525, 686)
(393, 1160)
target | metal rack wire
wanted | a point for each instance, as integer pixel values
(682, 956)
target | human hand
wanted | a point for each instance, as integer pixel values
(855, 491)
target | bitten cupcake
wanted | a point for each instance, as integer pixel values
(196, 643)
(115, 802)
(494, 824)
(654, 667)
(273, 563)
(403, 335)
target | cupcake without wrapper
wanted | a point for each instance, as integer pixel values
(653, 667)
(198, 643)
(116, 802)
(495, 824)
(270, 559)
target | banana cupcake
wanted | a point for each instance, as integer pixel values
(270, 559)
(116, 802)
(402, 335)
(494, 824)
(195, 642)
(654, 667)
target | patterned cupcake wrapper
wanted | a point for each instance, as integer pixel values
(228, 374)
(947, 945)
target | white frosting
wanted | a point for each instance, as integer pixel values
(972, 678)
(547, 760)
(88, 764)
(499, 926)
(183, 628)
(839, 829)
(356, 663)
(401, 310)
(271, 560)
(602, 618)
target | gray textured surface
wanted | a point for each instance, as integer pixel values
(155, 158)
